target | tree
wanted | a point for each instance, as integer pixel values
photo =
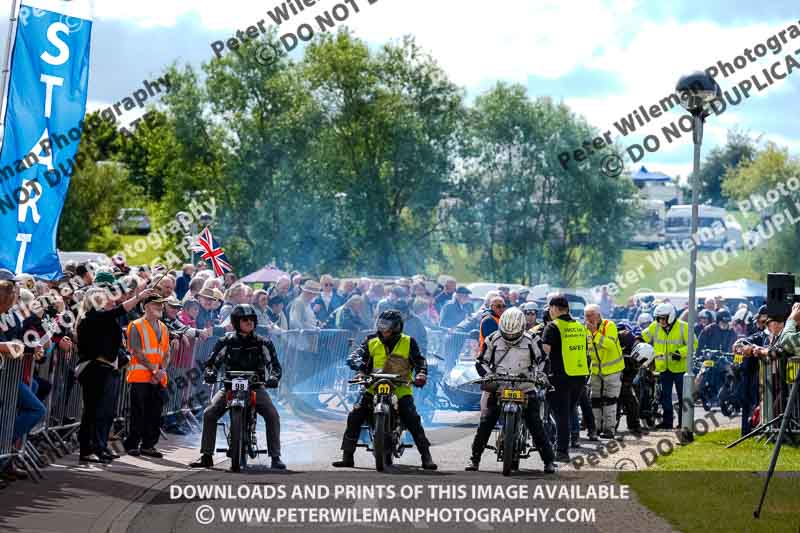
(775, 172)
(385, 147)
(738, 149)
(529, 219)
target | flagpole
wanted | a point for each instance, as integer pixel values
(13, 19)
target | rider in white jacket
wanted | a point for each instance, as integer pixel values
(511, 350)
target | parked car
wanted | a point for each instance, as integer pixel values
(83, 257)
(132, 221)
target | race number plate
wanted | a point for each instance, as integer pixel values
(738, 358)
(383, 388)
(239, 384)
(512, 395)
(708, 362)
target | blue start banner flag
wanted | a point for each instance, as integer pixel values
(44, 115)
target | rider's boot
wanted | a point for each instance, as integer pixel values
(427, 460)
(473, 464)
(346, 462)
(550, 468)
(277, 464)
(205, 461)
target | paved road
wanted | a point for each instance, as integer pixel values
(136, 494)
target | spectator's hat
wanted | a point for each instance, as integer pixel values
(773, 318)
(153, 299)
(104, 279)
(523, 291)
(218, 294)
(6, 275)
(762, 310)
(312, 287)
(213, 294)
(173, 302)
(26, 280)
(463, 290)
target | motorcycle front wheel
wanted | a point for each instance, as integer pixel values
(381, 422)
(237, 439)
(509, 442)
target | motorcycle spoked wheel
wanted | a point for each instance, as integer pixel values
(509, 442)
(236, 450)
(381, 422)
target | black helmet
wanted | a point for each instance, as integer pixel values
(243, 311)
(390, 320)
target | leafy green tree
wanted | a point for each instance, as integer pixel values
(738, 149)
(770, 170)
(527, 218)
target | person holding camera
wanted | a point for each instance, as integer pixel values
(669, 337)
(244, 351)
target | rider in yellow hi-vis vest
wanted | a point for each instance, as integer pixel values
(669, 338)
(388, 346)
(608, 363)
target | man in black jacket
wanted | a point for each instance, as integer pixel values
(388, 343)
(243, 350)
(718, 336)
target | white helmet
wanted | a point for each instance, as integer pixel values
(643, 353)
(667, 310)
(644, 320)
(512, 324)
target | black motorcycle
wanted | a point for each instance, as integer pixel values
(730, 402)
(647, 388)
(386, 430)
(512, 438)
(241, 406)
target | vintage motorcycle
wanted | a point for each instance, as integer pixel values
(241, 406)
(386, 435)
(511, 434)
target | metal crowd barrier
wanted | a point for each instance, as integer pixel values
(776, 379)
(10, 376)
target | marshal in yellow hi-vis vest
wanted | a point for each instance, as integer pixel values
(377, 351)
(664, 344)
(573, 347)
(606, 351)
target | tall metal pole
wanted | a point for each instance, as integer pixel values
(687, 400)
(12, 26)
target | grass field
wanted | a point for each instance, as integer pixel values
(650, 272)
(146, 257)
(644, 264)
(706, 488)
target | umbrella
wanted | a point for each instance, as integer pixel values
(268, 274)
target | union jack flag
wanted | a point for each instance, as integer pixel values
(212, 252)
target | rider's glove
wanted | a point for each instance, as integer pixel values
(272, 383)
(210, 377)
(420, 380)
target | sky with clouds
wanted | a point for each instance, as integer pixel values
(602, 58)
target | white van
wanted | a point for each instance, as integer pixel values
(714, 227)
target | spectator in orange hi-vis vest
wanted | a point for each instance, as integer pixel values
(148, 342)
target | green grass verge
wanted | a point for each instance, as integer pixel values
(141, 258)
(706, 488)
(649, 272)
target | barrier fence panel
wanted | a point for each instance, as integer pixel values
(776, 380)
(10, 376)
